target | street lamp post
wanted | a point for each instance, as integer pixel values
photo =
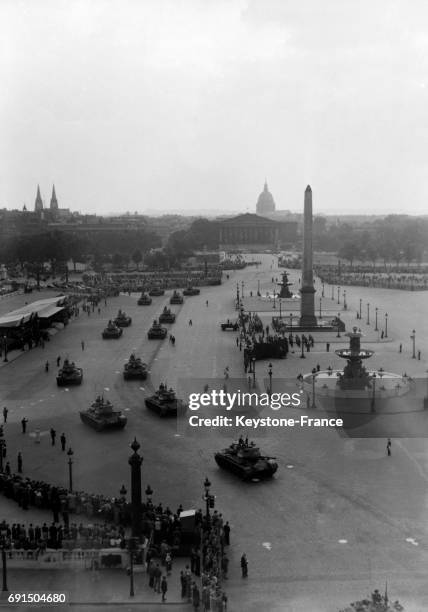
(280, 311)
(338, 294)
(345, 305)
(242, 289)
(386, 325)
(253, 361)
(132, 546)
(320, 308)
(206, 497)
(314, 375)
(322, 294)
(70, 469)
(237, 293)
(376, 309)
(373, 402)
(270, 378)
(274, 296)
(5, 348)
(361, 305)
(302, 355)
(332, 292)
(368, 313)
(413, 338)
(338, 325)
(291, 321)
(135, 461)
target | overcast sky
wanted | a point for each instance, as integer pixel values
(186, 106)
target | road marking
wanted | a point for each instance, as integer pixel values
(117, 372)
(267, 545)
(142, 389)
(343, 541)
(290, 466)
(412, 541)
(66, 390)
(106, 388)
(127, 409)
(177, 435)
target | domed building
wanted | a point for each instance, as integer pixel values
(265, 203)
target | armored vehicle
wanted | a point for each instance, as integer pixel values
(191, 291)
(144, 300)
(69, 374)
(244, 459)
(176, 298)
(101, 416)
(112, 331)
(165, 402)
(156, 291)
(135, 368)
(157, 332)
(229, 325)
(122, 319)
(167, 316)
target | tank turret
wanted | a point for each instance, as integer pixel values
(69, 374)
(135, 369)
(165, 402)
(244, 459)
(101, 416)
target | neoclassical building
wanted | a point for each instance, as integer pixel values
(253, 232)
(265, 202)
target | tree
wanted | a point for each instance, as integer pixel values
(137, 257)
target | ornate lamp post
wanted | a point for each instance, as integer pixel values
(332, 292)
(376, 309)
(413, 338)
(237, 293)
(291, 321)
(149, 493)
(320, 308)
(242, 289)
(345, 305)
(5, 348)
(135, 461)
(386, 325)
(361, 305)
(70, 469)
(322, 294)
(373, 402)
(338, 294)
(270, 378)
(132, 547)
(274, 296)
(253, 361)
(314, 376)
(368, 313)
(338, 325)
(302, 355)
(207, 498)
(280, 311)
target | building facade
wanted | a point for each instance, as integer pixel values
(253, 232)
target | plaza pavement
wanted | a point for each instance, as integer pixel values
(338, 519)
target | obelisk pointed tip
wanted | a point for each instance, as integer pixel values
(308, 188)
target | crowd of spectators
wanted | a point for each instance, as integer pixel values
(408, 281)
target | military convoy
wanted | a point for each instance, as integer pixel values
(176, 298)
(144, 300)
(244, 459)
(165, 402)
(157, 332)
(122, 319)
(167, 316)
(135, 369)
(101, 416)
(69, 374)
(112, 331)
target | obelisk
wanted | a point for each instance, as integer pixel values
(307, 308)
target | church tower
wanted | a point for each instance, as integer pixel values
(265, 202)
(54, 201)
(38, 205)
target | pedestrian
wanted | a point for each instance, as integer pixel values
(226, 531)
(82, 344)
(207, 303)
(47, 366)
(237, 341)
(164, 587)
(327, 346)
(19, 459)
(382, 335)
(5, 411)
(400, 350)
(157, 576)
(63, 441)
(318, 367)
(7, 468)
(190, 322)
(99, 310)
(24, 425)
(196, 597)
(226, 372)
(53, 436)
(58, 361)
(388, 447)
(244, 566)
(419, 355)
(183, 584)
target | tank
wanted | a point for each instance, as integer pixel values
(167, 316)
(156, 291)
(157, 332)
(101, 416)
(144, 300)
(112, 331)
(191, 291)
(69, 374)
(165, 403)
(122, 319)
(176, 298)
(135, 369)
(244, 459)
(230, 325)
